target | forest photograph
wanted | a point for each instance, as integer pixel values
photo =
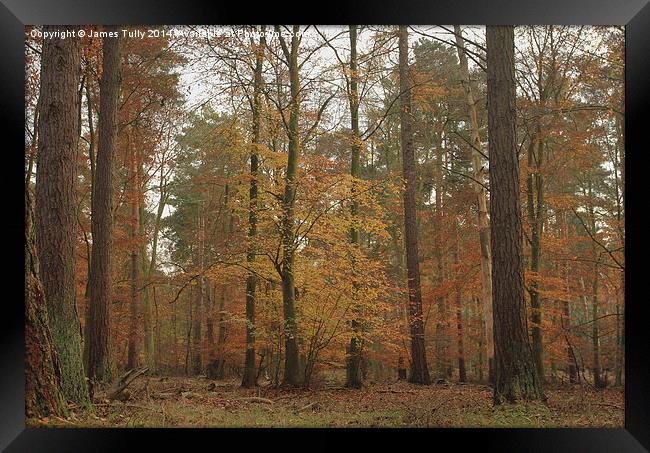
(324, 226)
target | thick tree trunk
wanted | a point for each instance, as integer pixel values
(250, 376)
(43, 392)
(102, 215)
(419, 368)
(55, 205)
(354, 378)
(515, 373)
(478, 173)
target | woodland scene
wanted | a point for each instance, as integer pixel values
(324, 226)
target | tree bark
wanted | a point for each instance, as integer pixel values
(102, 215)
(354, 378)
(55, 205)
(515, 373)
(134, 223)
(250, 376)
(197, 339)
(291, 359)
(462, 372)
(535, 199)
(419, 368)
(43, 392)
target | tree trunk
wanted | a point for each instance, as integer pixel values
(595, 331)
(91, 159)
(43, 392)
(439, 256)
(134, 223)
(197, 341)
(250, 376)
(291, 361)
(354, 378)
(515, 373)
(102, 215)
(566, 309)
(55, 205)
(419, 369)
(535, 198)
(462, 372)
(481, 195)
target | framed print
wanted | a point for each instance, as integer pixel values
(402, 224)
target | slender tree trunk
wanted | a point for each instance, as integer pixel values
(462, 372)
(209, 317)
(595, 330)
(291, 360)
(55, 205)
(197, 341)
(43, 392)
(152, 333)
(146, 271)
(419, 368)
(478, 174)
(91, 159)
(535, 198)
(134, 303)
(566, 310)
(439, 256)
(515, 373)
(354, 355)
(221, 339)
(102, 215)
(250, 376)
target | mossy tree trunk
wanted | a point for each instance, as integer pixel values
(43, 392)
(58, 134)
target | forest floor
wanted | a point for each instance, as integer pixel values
(198, 402)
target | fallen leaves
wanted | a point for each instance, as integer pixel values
(194, 402)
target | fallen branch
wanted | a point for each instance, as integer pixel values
(125, 381)
(313, 406)
(256, 399)
(395, 391)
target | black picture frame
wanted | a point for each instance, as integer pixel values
(635, 14)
